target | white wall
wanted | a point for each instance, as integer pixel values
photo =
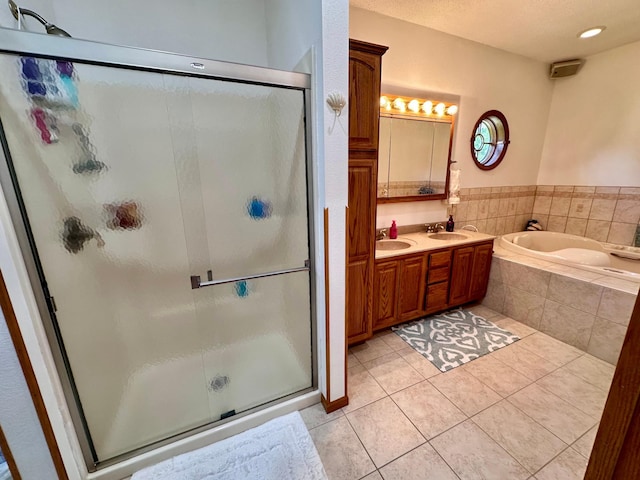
(592, 136)
(18, 417)
(485, 78)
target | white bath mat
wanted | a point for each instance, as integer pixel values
(281, 449)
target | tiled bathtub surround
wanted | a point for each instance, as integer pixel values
(495, 210)
(581, 308)
(606, 214)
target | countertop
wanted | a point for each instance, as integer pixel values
(421, 242)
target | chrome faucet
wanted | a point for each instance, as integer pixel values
(470, 227)
(382, 234)
(438, 226)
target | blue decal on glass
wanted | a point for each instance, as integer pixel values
(258, 208)
(242, 290)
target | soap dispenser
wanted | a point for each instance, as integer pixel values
(450, 224)
(393, 231)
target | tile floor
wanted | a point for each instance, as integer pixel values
(526, 411)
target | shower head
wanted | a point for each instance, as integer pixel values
(49, 27)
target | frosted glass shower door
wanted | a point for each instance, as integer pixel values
(132, 182)
(246, 154)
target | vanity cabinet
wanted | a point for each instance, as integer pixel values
(470, 273)
(364, 103)
(398, 290)
(407, 287)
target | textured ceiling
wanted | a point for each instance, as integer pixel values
(544, 30)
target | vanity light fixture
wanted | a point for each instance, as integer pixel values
(415, 107)
(591, 32)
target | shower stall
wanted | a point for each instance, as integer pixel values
(163, 204)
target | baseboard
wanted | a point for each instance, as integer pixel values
(335, 405)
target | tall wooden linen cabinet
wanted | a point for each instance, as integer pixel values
(365, 65)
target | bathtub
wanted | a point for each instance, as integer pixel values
(580, 252)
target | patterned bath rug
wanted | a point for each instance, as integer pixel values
(454, 338)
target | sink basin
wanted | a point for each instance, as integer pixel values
(447, 236)
(392, 245)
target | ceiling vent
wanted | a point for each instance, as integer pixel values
(565, 68)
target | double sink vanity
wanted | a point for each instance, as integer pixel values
(422, 273)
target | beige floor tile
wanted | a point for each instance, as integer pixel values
(423, 463)
(484, 312)
(423, 366)
(559, 417)
(515, 327)
(315, 416)
(478, 457)
(498, 376)
(576, 391)
(467, 392)
(373, 476)
(524, 361)
(370, 349)
(380, 360)
(549, 348)
(362, 389)
(569, 465)
(430, 411)
(395, 342)
(584, 444)
(352, 360)
(395, 375)
(525, 440)
(384, 431)
(593, 370)
(342, 454)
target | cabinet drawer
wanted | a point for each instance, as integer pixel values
(437, 295)
(438, 275)
(440, 259)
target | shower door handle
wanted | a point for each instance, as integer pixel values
(196, 281)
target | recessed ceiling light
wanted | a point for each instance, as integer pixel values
(592, 32)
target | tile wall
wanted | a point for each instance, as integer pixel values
(495, 210)
(591, 314)
(606, 214)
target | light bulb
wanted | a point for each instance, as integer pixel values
(440, 109)
(399, 104)
(427, 107)
(414, 106)
(383, 101)
(452, 110)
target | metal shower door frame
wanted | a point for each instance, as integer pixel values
(15, 42)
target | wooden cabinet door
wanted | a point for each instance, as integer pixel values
(364, 94)
(411, 287)
(359, 326)
(385, 294)
(460, 279)
(480, 272)
(362, 204)
(436, 298)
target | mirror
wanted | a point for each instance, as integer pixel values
(414, 149)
